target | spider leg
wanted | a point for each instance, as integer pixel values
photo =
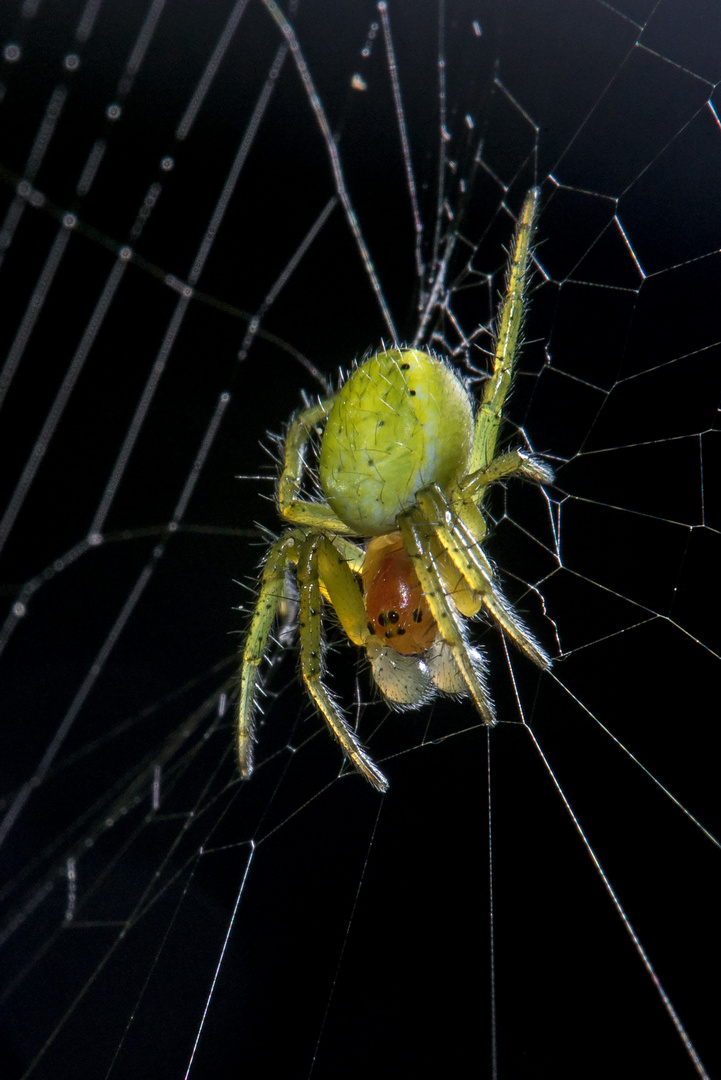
(299, 511)
(488, 421)
(418, 536)
(272, 590)
(337, 559)
(508, 464)
(353, 555)
(311, 661)
(460, 532)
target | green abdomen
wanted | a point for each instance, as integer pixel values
(401, 421)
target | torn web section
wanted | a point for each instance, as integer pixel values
(600, 336)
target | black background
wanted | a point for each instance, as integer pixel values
(361, 942)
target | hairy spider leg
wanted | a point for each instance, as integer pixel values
(340, 587)
(321, 569)
(460, 532)
(300, 512)
(417, 537)
(508, 464)
(272, 590)
(496, 387)
(311, 660)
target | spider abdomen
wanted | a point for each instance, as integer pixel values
(402, 420)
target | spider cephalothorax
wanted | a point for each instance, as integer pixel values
(404, 462)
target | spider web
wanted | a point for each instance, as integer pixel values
(206, 213)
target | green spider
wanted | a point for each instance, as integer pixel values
(396, 548)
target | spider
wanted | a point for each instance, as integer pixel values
(396, 547)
